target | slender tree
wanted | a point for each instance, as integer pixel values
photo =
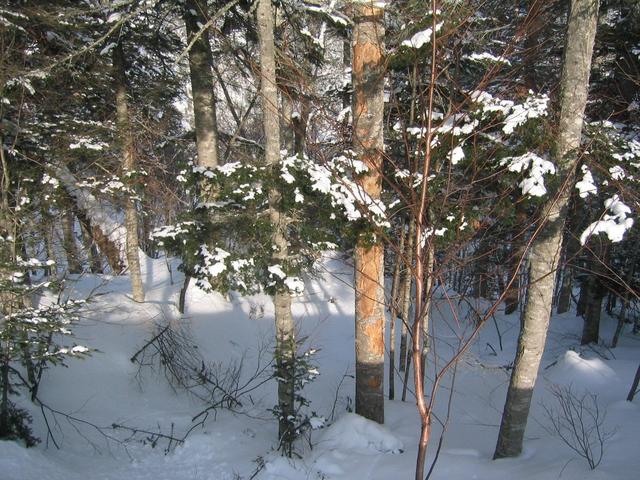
(203, 97)
(285, 329)
(128, 167)
(545, 248)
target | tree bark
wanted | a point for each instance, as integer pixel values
(107, 233)
(622, 316)
(596, 292)
(634, 386)
(368, 105)
(202, 85)
(69, 241)
(285, 329)
(203, 99)
(406, 300)
(394, 311)
(128, 166)
(545, 249)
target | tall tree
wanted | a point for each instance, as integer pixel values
(202, 85)
(203, 97)
(128, 167)
(368, 106)
(285, 329)
(545, 248)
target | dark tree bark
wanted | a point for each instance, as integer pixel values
(596, 291)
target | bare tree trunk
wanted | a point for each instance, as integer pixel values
(571, 247)
(518, 251)
(394, 311)
(596, 292)
(95, 262)
(426, 316)
(406, 301)
(545, 249)
(203, 96)
(368, 105)
(69, 242)
(108, 235)
(285, 329)
(128, 165)
(633, 261)
(202, 85)
(634, 386)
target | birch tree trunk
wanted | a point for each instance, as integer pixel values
(285, 330)
(368, 106)
(128, 165)
(545, 249)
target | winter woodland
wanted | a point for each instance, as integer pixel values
(303, 239)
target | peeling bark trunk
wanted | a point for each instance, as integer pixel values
(285, 329)
(545, 249)
(368, 106)
(132, 245)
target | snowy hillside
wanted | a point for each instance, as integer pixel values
(108, 389)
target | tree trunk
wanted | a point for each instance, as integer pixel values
(622, 316)
(596, 292)
(406, 301)
(426, 315)
(518, 251)
(285, 330)
(368, 105)
(106, 232)
(545, 249)
(95, 262)
(69, 241)
(634, 386)
(571, 248)
(203, 99)
(202, 85)
(394, 311)
(128, 166)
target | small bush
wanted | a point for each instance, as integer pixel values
(578, 421)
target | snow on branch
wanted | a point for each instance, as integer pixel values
(614, 224)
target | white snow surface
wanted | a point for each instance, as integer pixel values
(105, 389)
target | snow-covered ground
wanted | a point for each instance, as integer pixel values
(108, 389)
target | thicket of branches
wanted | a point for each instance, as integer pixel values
(449, 205)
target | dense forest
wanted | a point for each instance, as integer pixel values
(456, 182)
